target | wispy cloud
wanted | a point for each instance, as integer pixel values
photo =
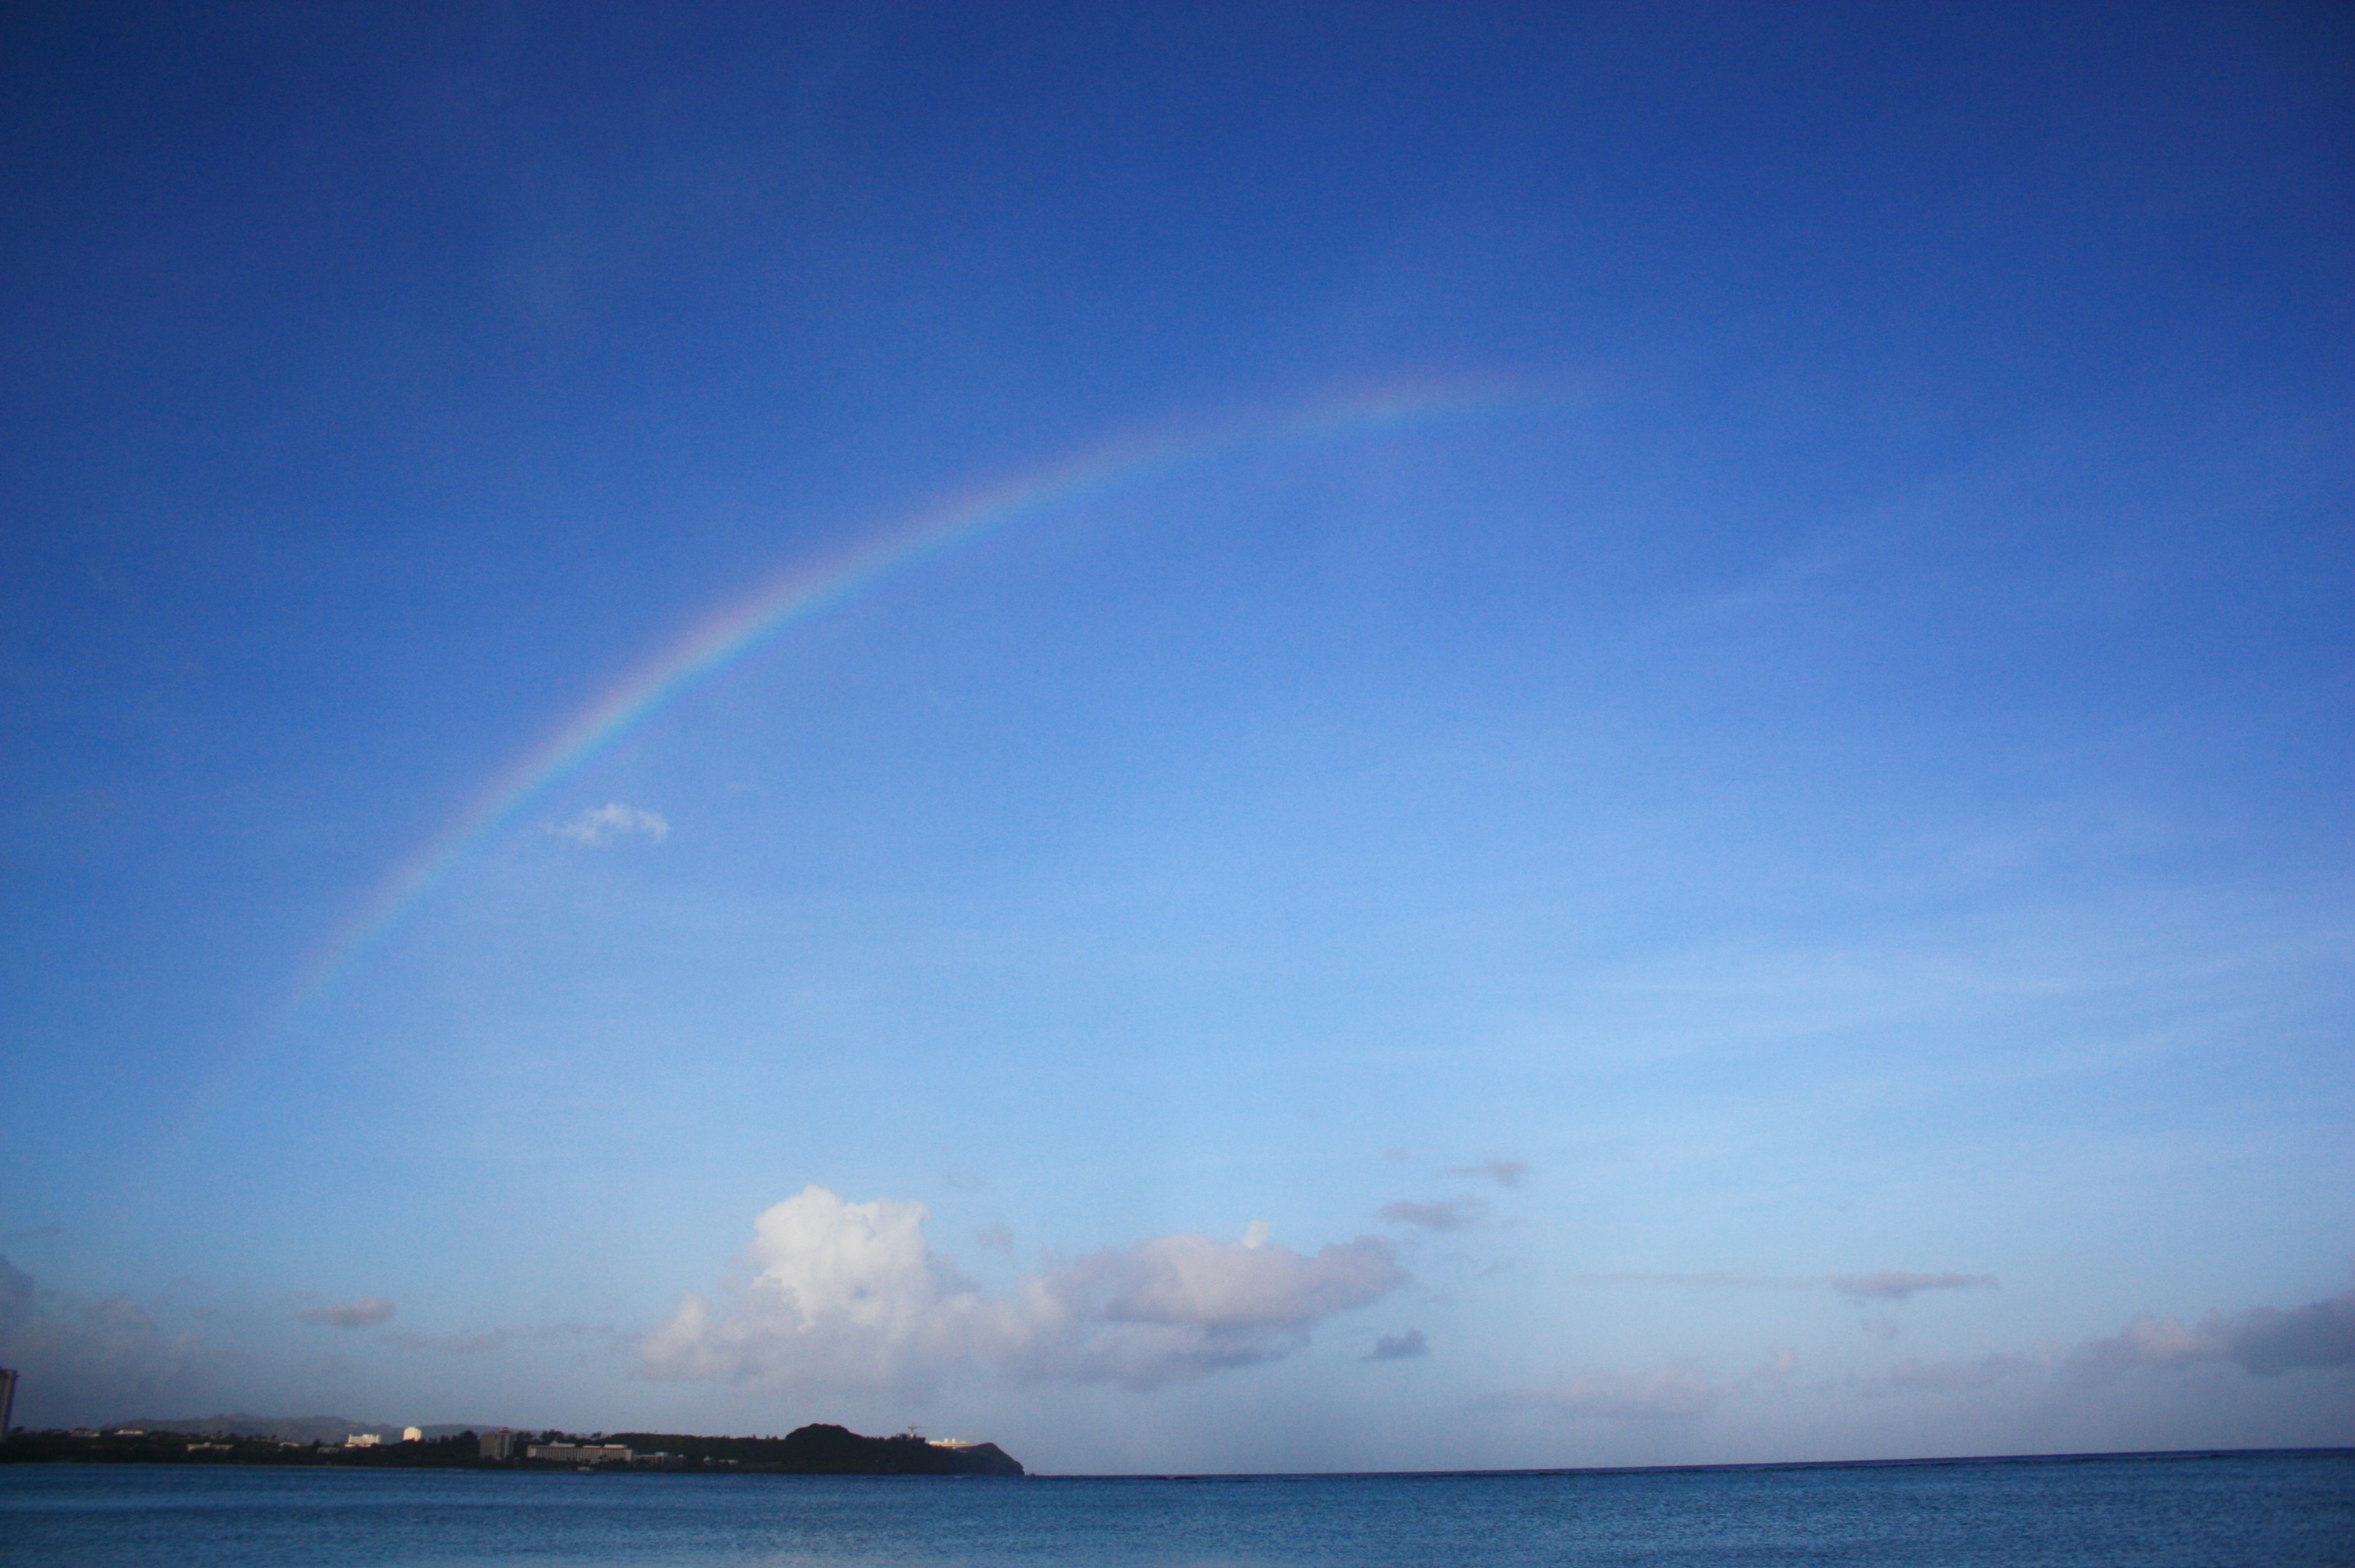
(1886, 1284)
(490, 1340)
(1398, 1346)
(599, 826)
(1447, 1214)
(850, 1296)
(1893, 1284)
(1957, 1376)
(364, 1313)
(1502, 1172)
(476, 1344)
(1674, 1391)
(1730, 1278)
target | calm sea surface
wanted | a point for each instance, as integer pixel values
(2196, 1512)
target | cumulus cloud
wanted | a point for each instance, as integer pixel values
(1447, 1214)
(77, 1355)
(2265, 1340)
(599, 827)
(1674, 1391)
(851, 1295)
(1398, 1346)
(1502, 1172)
(364, 1313)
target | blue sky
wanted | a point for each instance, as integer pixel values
(1763, 873)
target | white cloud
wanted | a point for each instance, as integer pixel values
(599, 827)
(366, 1312)
(1674, 1391)
(850, 1296)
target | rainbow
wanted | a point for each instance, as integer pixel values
(726, 637)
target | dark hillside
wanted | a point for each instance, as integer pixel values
(828, 1450)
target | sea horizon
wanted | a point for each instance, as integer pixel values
(2196, 1508)
(1730, 1464)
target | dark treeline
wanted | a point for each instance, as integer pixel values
(227, 1448)
(816, 1450)
(825, 1450)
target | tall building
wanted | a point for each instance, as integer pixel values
(7, 1398)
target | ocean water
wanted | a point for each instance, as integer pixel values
(2265, 1510)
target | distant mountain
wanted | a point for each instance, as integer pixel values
(287, 1428)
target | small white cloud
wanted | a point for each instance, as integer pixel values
(601, 826)
(1399, 1347)
(364, 1313)
(849, 1295)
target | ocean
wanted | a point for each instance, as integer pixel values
(2193, 1511)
